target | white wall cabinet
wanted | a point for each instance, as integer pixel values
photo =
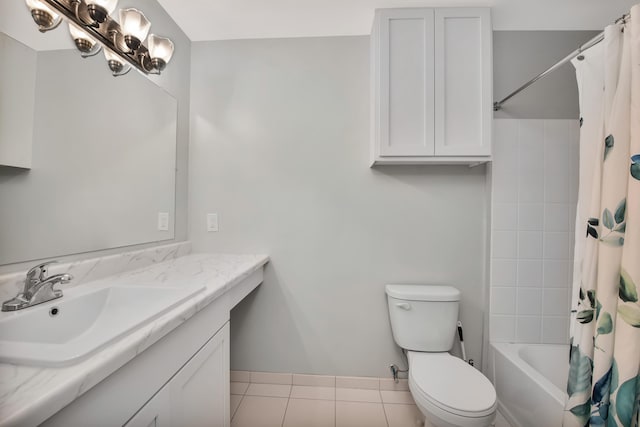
(431, 86)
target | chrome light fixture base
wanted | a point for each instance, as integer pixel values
(132, 42)
(97, 13)
(86, 49)
(158, 64)
(44, 20)
(83, 45)
(118, 68)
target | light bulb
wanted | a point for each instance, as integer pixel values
(135, 27)
(160, 51)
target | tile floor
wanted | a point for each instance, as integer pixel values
(289, 405)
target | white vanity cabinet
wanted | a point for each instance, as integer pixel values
(180, 380)
(431, 86)
(198, 395)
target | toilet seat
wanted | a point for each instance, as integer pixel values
(451, 387)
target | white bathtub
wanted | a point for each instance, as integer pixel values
(530, 380)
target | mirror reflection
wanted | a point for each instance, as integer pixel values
(87, 161)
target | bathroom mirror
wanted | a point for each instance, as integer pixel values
(102, 158)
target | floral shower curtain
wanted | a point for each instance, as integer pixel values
(604, 381)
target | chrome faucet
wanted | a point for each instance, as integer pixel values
(38, 288)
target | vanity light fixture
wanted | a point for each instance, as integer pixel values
(93, 29)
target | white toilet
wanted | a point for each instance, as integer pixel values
(446, 389)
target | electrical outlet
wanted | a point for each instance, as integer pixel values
(163, 221)
(212, 222)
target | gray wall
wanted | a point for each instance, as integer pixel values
(175, 80)
(519, 56)
(279, 149)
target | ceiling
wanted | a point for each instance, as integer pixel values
(246, 19)
(242, 19)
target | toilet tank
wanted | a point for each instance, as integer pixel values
(423, 317)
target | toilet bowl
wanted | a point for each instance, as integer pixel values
(450, 392)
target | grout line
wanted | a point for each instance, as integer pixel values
(237, 409)
(317, 398)
(284, 417)
(544, 222)
(386, 417)
(334, 387)
(518, 179)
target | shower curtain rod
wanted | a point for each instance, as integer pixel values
(497, 106)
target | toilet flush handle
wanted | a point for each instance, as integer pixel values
(403, 305)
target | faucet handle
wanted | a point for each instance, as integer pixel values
(40, 271)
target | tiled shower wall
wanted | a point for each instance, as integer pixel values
(535, 187)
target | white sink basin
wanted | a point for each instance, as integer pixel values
(71, 328)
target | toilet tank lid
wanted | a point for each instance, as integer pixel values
(423, 292)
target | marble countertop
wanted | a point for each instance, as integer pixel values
(29, 394)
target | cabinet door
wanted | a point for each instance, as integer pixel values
(463, 82)
(200, 390)
(406, 79)
(155, 413)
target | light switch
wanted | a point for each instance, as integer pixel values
(163, 221)
(212, 222)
